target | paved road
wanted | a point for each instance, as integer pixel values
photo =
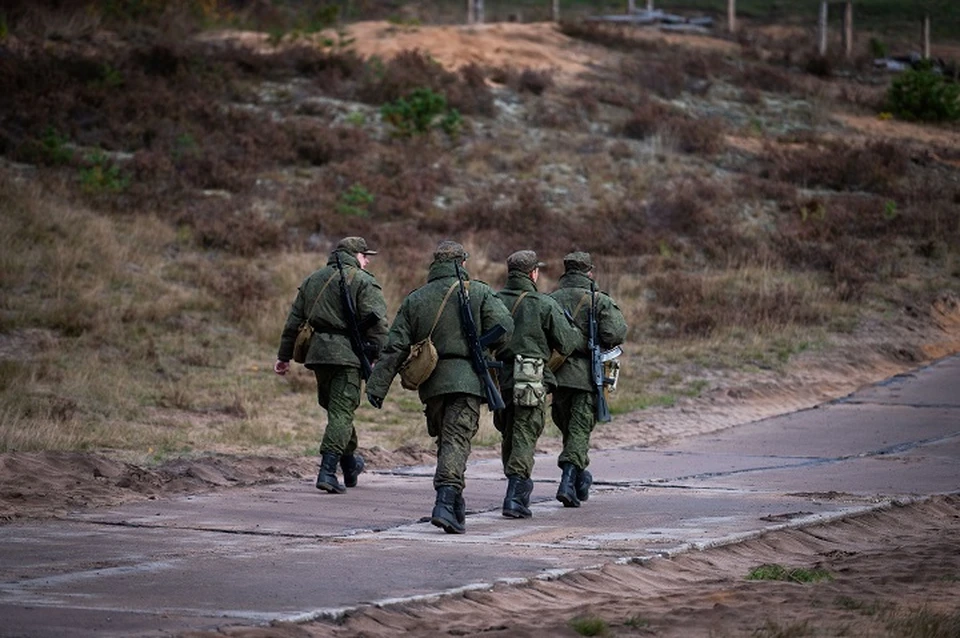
(289, 552)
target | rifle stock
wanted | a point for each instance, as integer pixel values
(477, 344)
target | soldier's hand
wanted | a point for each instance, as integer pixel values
(281, 367)
(374, 400)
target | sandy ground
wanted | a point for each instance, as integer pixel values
(893, 572)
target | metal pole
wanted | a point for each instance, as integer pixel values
(478, 5)
(926, 37)
(556, 10)
(731, 15)
(823, 27)
(631, 6)
(469, 11)
(649, 5)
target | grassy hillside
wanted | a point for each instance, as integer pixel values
(166, 190)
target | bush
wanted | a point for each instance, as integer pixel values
(921, 94)
(419, 112)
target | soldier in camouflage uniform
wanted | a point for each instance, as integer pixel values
(331, 356)
(540, 327)
(574, 401)
(453, 392)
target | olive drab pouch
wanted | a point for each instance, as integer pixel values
(419, 364)
(611, 375)
(528, 388)
(423, 357)
(302, 345)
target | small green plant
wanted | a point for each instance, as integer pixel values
(418, 112)
(921, 94)
(356, 118)
(890, 210)
(54, 147)
(773, 571)
(589, 625)
(354, 202)
(110, 77)
(636, 622)
(877, 48)
(102, 175)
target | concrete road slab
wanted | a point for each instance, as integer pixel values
(286, 551)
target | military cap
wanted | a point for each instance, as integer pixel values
(449, 251)
(524, 261)
(354, 245)
(579, 261)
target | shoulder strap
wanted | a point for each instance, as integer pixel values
(583, 300)
(319, 294)
(517, 302)
(443, 305)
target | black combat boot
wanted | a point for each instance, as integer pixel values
(524, 490)
(445, 510)
(567, 492)
(460, 509)
(352, 465)
(584, 481)
(327, 478)
(513, 506)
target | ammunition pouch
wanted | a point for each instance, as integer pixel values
(528, 388)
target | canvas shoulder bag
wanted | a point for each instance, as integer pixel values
(423, 357)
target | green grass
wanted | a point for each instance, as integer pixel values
(589, 625)
(774, 571)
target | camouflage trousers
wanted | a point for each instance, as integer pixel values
(521, 428)
(454, 419)
(573, 413)
(338, 392)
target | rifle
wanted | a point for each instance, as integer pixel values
(354, 327)
(481, 365)
(597, 358)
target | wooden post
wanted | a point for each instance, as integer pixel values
(649, 5)
(478, 4)
(470, 12)
(822, 26)
(556, 10)
(848, 29)
(926, 37)
(731, 16)
(631, 7)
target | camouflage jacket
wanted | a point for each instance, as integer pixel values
(574, 290)
(539, 327)
(331, 338)
(454, 372)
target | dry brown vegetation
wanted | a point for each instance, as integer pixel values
(165, 193)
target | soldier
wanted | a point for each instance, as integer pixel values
(332, 355)
(540, 327)
(574, 401)
(453, 391)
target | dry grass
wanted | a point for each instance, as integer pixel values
(141, 310)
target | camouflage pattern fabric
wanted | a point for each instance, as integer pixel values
(331, 341)
(454, 420)
(521, 428)
(338, 392)
(573, 413)
(540, 327)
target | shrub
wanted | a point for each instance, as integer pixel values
(921, 94)
(418, 112)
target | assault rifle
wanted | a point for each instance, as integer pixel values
(597, 358)
(355, 328)
(478, 344)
